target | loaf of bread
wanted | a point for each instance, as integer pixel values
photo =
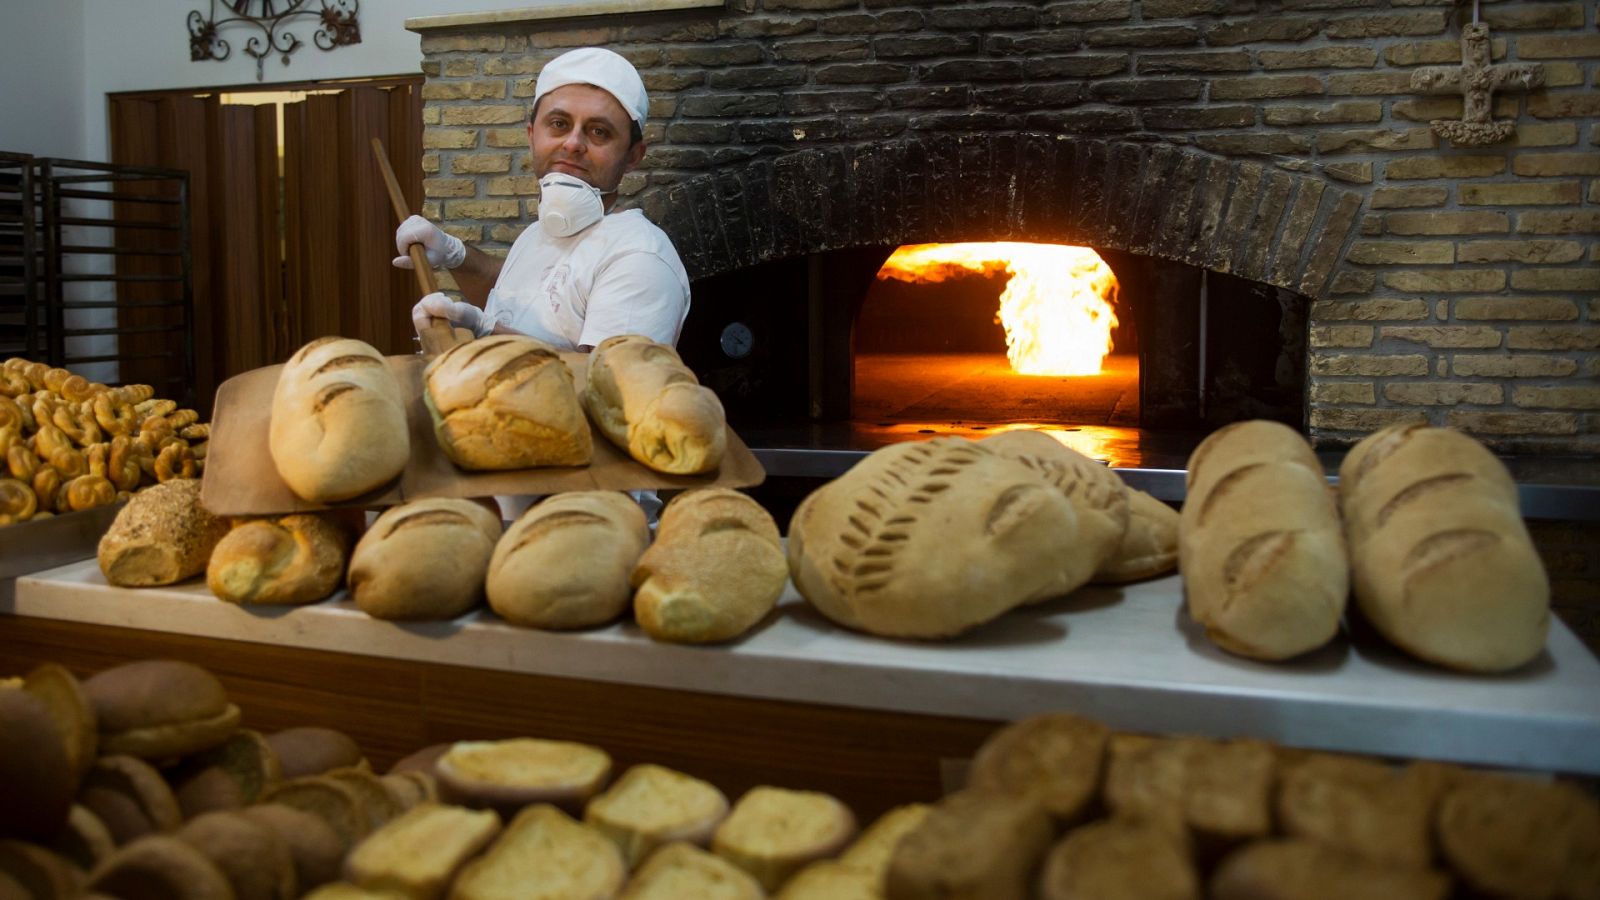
(1516, 837)
(254, 858)
(974, 845)
(1150, 545)
(1296, 869)
(830, 879)
(774, 832)
(338, 421)
(681, 871)
(506, 402)
(1119, 860)
(287, 560)
(645, 400)
(571, 860)
(651, 806)
(1097, 494)
(419, 854)
(161, 537)
(565, 563)
(1056, 758)
(1260, 546)
(508, 775)
(717, 567)
(160, 709)
(1364, 807)
(424, 560)
(37, 773)
(1444, 566)
(931, 538)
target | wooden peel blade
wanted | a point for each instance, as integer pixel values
(438, 336)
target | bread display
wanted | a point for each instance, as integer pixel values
(1119, 860)
(287, 560)
(651, 806)
(1056, 758)
(508, 775)
(162, 536)
(419, 854)
(930, 539)
(772, 832)
(1150, 545)
(1292, 869)
(565, 563)
(424, 560)
(1443, 564)
(506, 402)
(1516, 837)
(678, 871)
(716, 569)
(1097, 494)
(338, 424)
(37, 772)
(974, 845)
(571, 860)
(1260, 546)
(160, 709)
(645, 400)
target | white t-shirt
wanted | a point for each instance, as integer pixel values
(618, 276)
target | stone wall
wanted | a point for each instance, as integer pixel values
(1276, 139)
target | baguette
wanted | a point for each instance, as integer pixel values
(1259, 543)
(338, 426)
(645, 400)
(506, 402)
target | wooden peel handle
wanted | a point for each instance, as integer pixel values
(438, 336)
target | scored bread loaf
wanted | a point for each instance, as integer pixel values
(544, 855)
(161, 537)
(565, 563)
(338, 424)
(506, 402)
(424, 559)
(288, 560)
(1260, 546)
(932, 538)
(717, 567)
(645, 400)
(650, 806)
(1444, 566)
(774, 832)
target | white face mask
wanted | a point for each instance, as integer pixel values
(568, 205)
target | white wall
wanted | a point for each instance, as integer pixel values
(41, 77)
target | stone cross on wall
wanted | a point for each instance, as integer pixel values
(1476, 79)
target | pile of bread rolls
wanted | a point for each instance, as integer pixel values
(69, 444)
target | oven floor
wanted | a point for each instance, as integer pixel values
(980, 387)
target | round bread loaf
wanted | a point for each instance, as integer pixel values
(506, 402)
(289, 560)
(160, 709)
(680, 870)
(572, 861)
(424, 560)
(419, 853)
(162, 536)
(645, 400)
(338, 424)
(773, 832)
(37, 778)
(313, 845)
(566, 562)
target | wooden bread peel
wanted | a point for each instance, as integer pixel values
(438, 336)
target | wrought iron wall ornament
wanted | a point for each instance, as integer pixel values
(337, 18)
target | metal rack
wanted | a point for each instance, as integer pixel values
(99, 255)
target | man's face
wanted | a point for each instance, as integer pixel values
(582, 130)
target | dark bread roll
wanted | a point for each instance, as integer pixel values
(37, 778)
(130, 797)
(312, 750)
(230, 775)
(160, 709)
(160, 867)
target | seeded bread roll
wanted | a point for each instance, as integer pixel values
(1150, 545)
(571, 860)
(160, 709)
(424, 560)
(645, 400)
(506, 402)
(650, 806)
(37, 774)
(1119, 860)
(1444, 566)
(1295, 869)
(715, 570)
(566, 562)
(289, 560)
(338, 424)
(418, 854)
(508, 775)
(773, 832)
(162, 536)
(1260, 546)
(681, 871)
(1056, 758)
(974, 845)
(1514, 837)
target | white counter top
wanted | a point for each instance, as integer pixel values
(1129, 657)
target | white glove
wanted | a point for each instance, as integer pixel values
(444, 250)
(461, 315)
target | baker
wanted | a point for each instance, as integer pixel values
(582, 273)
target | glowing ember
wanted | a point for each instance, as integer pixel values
(1056, 308)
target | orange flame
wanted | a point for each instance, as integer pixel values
(1056, 307)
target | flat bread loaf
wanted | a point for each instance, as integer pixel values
(645, 400)
(338, 421)
(506, 402)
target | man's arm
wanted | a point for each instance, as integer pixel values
(476, 275)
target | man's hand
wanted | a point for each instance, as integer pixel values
(444, 251)
(461, 315)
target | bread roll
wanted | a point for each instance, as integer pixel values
(1363, 807)
(378, 806)
(418, 854)
(289, 560)
(1260, 546)
(254, 858)
(1291, 869)
(571, 861)
(1150, 545)
(338, 421)
(875, 847)
(566, 562)
(229, 776)
(506, 402)
(830, 879)
(1119, 860)
(680, 871)
(975, 845)
(1215, 793)
(424, 560)
(160, 867)
(85, 841)
(160, 709)
(313, 845)
(1097, 495)
(1444, 566)
(162, 536)
(1056, 758)
(773, 832)
(1515, 837)
(508, 775)
(930, 539)
(68, 704)
(312, 750)
(650, 806)
(645, 400)
(717, 567)
(327, 799)
(37, 873)
(37, 772)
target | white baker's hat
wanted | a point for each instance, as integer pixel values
(599, 67)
